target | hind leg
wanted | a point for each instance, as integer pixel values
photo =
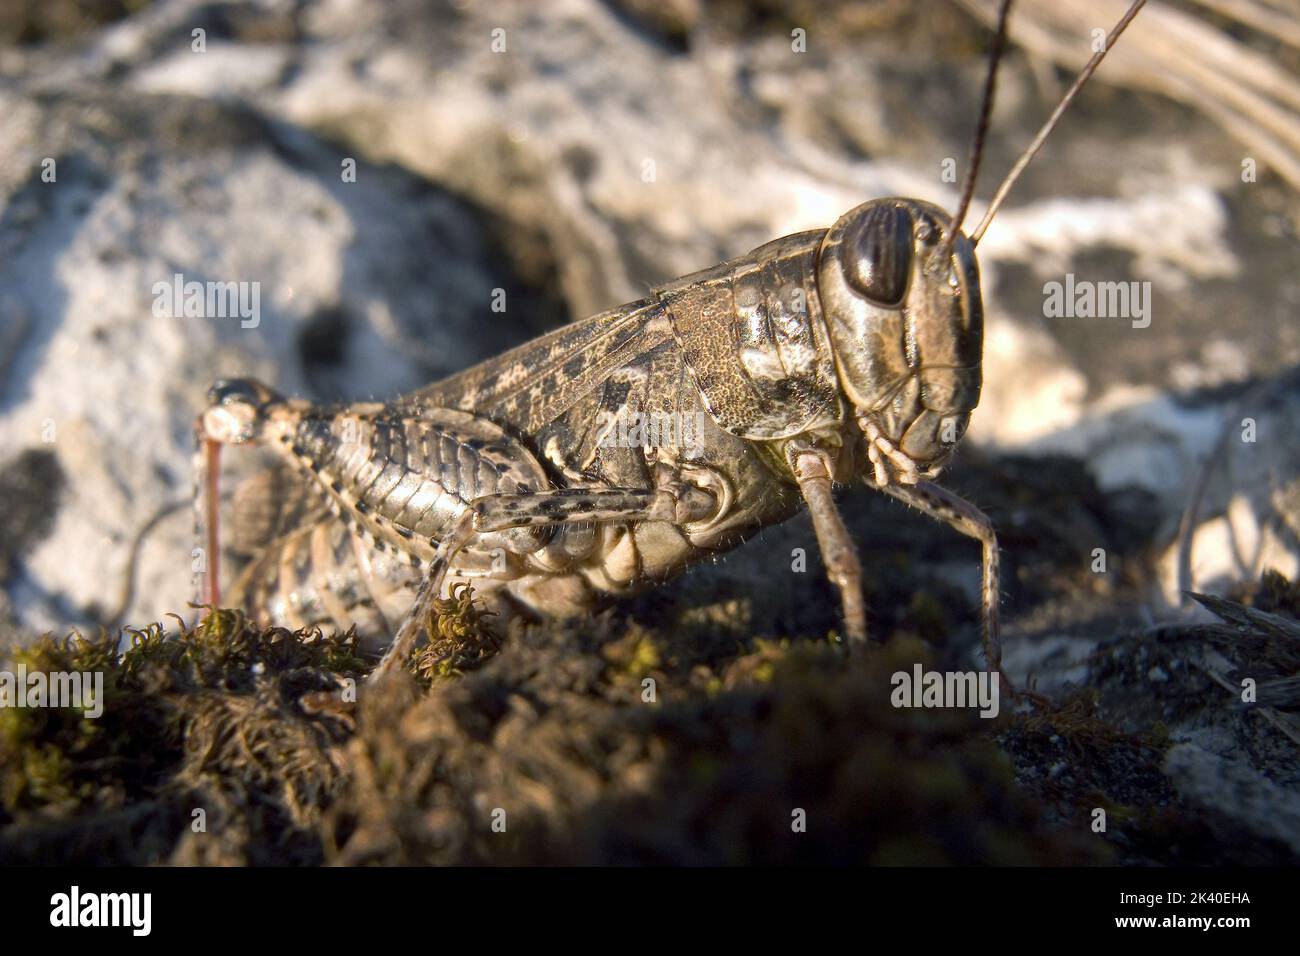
(495, 513)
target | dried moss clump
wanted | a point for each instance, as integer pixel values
(459, 637)
(209, 748)
(688, 740)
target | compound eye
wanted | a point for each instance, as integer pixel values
(879, 254)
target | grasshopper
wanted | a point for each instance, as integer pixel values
(815, 359)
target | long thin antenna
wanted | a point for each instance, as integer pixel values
(977, 144)
(1052, 120)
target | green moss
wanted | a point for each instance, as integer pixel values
(459, 636)
(258, 728)
(189, 718)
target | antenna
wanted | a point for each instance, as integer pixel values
(1052, 120)
(981, 130)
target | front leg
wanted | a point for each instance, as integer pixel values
(960, 514)
(812, 470)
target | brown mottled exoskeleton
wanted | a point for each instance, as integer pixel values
(815, 359)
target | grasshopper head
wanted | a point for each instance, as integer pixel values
(903, 309)
(237, 409)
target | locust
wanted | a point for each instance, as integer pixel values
(817, 359)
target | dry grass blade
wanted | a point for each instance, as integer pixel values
(1179, 55)
(1277, 21)
(1249, 617)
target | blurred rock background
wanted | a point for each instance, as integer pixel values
(610, 146)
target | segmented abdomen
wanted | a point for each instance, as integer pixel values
(404, 478)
